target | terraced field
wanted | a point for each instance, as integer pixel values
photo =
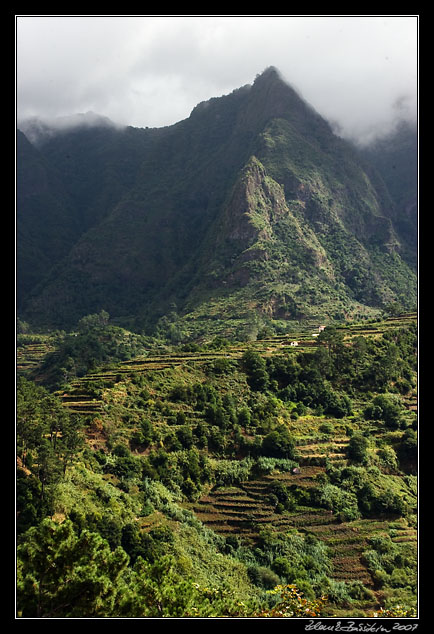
(318, 451)
(377, 328)
(30, 355)
(347, 541)
(79, 400)
(245, 509)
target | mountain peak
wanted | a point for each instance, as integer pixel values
(269, 74)
(273, 97)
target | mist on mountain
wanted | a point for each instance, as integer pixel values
(250, 205)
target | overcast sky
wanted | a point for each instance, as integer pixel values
(358, 71)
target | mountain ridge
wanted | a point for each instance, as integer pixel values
(250, 202)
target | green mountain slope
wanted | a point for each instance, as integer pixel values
(251, 206)
(46, 225)
(396, 159)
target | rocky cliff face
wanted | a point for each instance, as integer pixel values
(251, 203)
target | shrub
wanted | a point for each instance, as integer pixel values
(386, 408)
(408, 447)
(256, 369)
(265, 464)
(221, 366)
(263, 577)
(326, 428)
(282, 566)
(293, 604)
(180, 393)
(389, 563)
(359, 592)
(388, 458)
(397, 611)
(232, 471)
(278, 444)
(337, 407)
(283, 496)
(389, 501)
(244, 417)
(358, 448)
(185, 436)
(341, 502)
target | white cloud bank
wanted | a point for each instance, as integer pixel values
(359, 72)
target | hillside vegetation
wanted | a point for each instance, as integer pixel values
(217, 477)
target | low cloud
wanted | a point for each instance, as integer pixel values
(39, 129)
(358, 72)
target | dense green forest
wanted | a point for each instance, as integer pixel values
(267, 476)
